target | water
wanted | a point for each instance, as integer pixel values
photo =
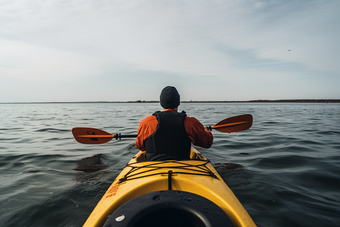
(284, 170)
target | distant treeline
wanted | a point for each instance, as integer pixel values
(250, 101)
(260, 100)
(299, 100)
(281, 100)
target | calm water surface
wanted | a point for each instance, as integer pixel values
(284, 170)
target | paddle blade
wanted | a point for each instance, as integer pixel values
(234, 124)
(91, 135)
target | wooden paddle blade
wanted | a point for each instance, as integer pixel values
(234, 124)
(91, 135)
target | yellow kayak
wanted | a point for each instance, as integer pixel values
(169, 193)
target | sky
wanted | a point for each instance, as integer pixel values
(210, 50)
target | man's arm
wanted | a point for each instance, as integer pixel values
(197, 133)
(146, 127)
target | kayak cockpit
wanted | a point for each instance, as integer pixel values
(168, 209)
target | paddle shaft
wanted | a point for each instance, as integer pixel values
(117, 136)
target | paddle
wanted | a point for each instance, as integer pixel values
(97, 136)
(234, 124)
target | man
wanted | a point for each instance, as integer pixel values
(167, 134)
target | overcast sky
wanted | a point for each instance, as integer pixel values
(109, 50)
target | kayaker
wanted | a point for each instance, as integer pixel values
(168, 134)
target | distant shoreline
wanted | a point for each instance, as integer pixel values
(250, 101)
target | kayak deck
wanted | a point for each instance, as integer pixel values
(195, 176)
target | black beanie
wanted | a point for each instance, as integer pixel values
(169, 98)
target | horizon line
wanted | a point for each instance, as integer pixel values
(191, 101)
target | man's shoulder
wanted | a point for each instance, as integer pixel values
(188, 118)
(148, 119)
(191, 121)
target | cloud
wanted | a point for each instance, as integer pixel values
(24, 61)
(201, 41)
(179, 37)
